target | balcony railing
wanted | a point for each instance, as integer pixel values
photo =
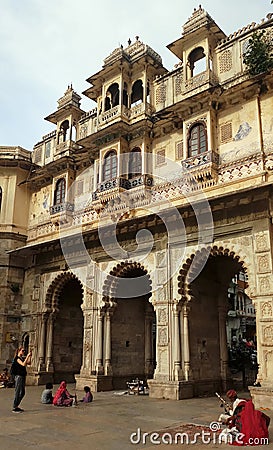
(202, 170)
(200, 160)
(61, 208)
(112, 184)
(141, 180)
(91, 122)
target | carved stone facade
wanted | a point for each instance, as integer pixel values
(137, 216)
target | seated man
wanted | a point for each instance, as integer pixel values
(246, 426)
(235, 402)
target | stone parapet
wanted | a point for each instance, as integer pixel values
(262, 396)
(172, 390)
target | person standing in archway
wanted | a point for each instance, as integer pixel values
(19, 372)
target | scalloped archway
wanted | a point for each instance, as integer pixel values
(123, 271)
(197, 260)
(63, 304)
(133, 323)
(214, 317)
(55, 289)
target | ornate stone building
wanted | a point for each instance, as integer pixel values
(122, 230)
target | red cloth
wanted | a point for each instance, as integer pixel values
(252, 424)
(61, 396)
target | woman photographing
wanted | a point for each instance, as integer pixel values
(19, 372)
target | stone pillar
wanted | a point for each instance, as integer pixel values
(145, 87)
(120, 89)
(49, 348)
(222, 315)
(99, 340)
(42, 342)
(149, 366)
(86, 367)
(186, 342)
(108, 365)
(263, 295)
(176, 343)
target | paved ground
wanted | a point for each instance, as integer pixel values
(105, 424)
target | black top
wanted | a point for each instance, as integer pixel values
(19, 370)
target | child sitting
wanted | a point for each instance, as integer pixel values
(47, 397)
(88, 398)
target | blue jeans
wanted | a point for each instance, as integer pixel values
(20, 382)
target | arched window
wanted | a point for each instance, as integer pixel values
(135, 163)
(59, 195)
(109, 170)
(197, 142)
(137, 93)
(63, 131)
(112, 97)
(197, 61)
(1, 192)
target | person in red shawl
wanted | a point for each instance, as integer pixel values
(246, 426)
(62, 396)
(253, 426)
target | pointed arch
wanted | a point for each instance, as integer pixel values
(55, 289)
(123, 270)
(196, 261)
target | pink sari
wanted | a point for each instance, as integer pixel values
(62, 396)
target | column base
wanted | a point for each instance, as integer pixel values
(39, 378)
(97, 383)
(262, 396)
(173, 390)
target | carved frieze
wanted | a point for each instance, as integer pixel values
(264, 263)
(268, 335)
(266, 310)
(162, 336)
(265, 284)
(261, 241)
(162, 317)
(88, 320)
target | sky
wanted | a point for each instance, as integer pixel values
(45, 45)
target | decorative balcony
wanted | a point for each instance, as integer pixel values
(141, 180)
(200, 81)
(202, 169)
(65, 148)
(135, 188)
(92, 122)
(61, 213)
